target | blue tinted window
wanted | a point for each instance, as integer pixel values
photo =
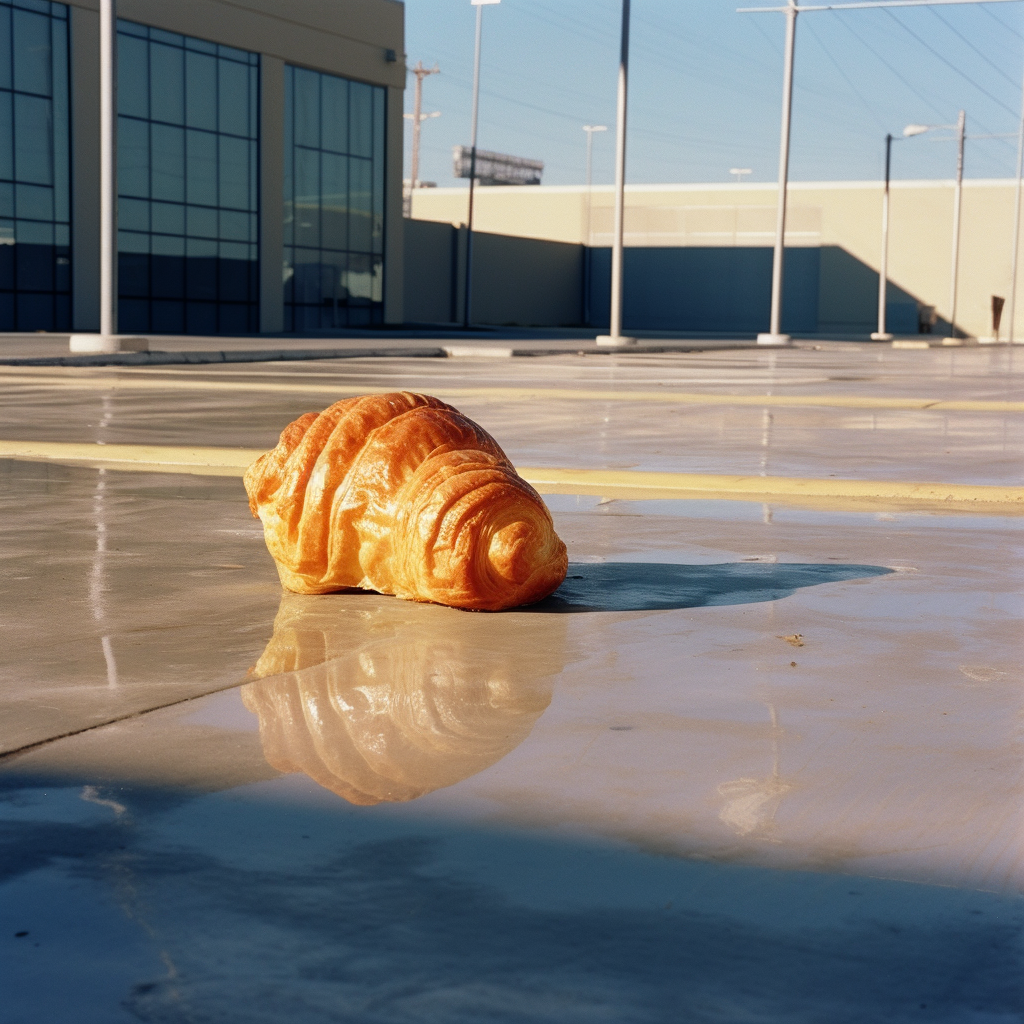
(33, 70)
(188, 199)
(35, 232)
(333, 201)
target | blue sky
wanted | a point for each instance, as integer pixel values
(706, 84)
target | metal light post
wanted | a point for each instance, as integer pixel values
(614, 337)
(467, 298)
(589, 129)
(957, 196)
(1016, 219)
(775, 335)
(883, 273)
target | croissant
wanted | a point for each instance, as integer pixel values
(402, 494)
(377, 704)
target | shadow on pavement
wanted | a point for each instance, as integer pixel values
(649, 586)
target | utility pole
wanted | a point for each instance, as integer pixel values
(961, 122)
(614, 337)
(1016, 220)
(589, 129)
(883, 274)
(418, 117)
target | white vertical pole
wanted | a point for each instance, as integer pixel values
(775, 335)
(467, 298)
(108, 168)
(1016, 218)
(957, 195)
(883, 272)
(614, 335)
(589, 129)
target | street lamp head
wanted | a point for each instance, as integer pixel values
(595, 127)
(917, 129)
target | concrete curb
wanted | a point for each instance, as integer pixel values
(201, 358)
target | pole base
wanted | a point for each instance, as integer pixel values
(614, 340)
(881, 336)
(774, 339)
(107, 344)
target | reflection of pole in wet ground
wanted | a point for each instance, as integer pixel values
(752, 804)
(98, 573)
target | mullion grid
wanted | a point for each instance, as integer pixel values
(357, 313)
(189, 306)
(22, 307)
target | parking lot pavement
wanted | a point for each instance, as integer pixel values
(753, 761)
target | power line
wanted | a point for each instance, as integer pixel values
(949, 64)
(1001, 23)
(846, 77)
(964, 39)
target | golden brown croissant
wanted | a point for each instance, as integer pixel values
(377, 703)
(402, 494)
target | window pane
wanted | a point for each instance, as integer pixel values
(167, 79)
(201, 222)
(33, 139)
(361, 119)
(5, 48)
(202, 168)
(159, 35)
(234, 173)
(335, 114)
(132, 76)
(132, 157)
(6, 134)
(169, 219)
(234, 98)
(6, 202)
(334, 202)
(133, 214)
(34, 202)
(307, 108)
(307, 197)
(234, 226)
(168, 163)
(306, 278)
(201, 91)
(359, 222)
(61, 124)
(32, 72)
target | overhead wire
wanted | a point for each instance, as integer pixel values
(1000, 22)
(846, 77)
(995, 67)
(931, 49)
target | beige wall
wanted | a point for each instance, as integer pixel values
(343, 37)
(846, 215)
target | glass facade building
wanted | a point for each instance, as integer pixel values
(333, 201)
(188, 170)
(35, 193)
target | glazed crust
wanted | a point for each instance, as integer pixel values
(402, 494)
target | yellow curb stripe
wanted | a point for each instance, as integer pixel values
(139, 382)
(617, 484)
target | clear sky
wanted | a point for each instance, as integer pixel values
(706, 86)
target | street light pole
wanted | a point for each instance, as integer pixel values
(957, 196)
(614, 336)
(1016, 219)
(883, 274)
(589, 129)
(468, 297)
(775, 335)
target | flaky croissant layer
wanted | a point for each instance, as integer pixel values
(402, 494)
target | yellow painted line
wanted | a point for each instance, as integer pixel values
(138, 382)
(605, 483)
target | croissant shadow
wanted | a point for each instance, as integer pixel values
(650, 586)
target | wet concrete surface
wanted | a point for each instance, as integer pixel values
(750, 763)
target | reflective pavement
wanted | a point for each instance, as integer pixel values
(750, 763)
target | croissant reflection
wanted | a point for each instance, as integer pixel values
(379, 700)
